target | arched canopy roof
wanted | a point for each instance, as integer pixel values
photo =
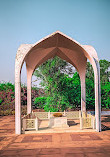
(56, 44)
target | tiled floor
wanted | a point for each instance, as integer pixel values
(77, 144)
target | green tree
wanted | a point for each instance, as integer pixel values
(104, 71)
(52, 73)
(40, 102)
(63, 91)
(105, 95)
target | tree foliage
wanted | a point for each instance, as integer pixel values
(52, 73)
(40, 102)
(63, 91)
(7, 98)
(104, 82)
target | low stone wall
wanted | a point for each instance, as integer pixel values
(29, 122)
(102, 112)
(87, 121)
(41, 115)
(72, 115)
(105, 113)
(47, 115)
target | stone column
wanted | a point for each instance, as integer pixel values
(29, 106)
(19, 60)
(17, 106)
(83, 96)
(83, 89)
(97, 97)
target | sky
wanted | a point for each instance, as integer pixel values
(27, 21)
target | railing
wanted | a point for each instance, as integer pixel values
(29, 122)
(41, 115)
(72, 115)
(87, 121)
(47, 115)
(32, 120)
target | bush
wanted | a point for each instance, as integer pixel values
(40, 102)
(24, 109)
(6, 112)
(105, 95)
(56, 103)
(6, 86)
(0, 101)
(13, 112)
(51, 105)
(7, 98)
(1, 113)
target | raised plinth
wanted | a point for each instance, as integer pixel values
(55, 122)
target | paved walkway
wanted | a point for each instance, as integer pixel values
(89, 144)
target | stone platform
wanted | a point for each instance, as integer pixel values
(58, 122)
(72, 144)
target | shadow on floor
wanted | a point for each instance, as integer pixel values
(44, 128)
(106, 118)
(104, 127)
(72, 123)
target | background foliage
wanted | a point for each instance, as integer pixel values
(64, 92)
(7, 98)
(60, 90)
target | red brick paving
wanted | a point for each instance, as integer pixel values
(39, 138)
(89, 144)
(85, 137)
